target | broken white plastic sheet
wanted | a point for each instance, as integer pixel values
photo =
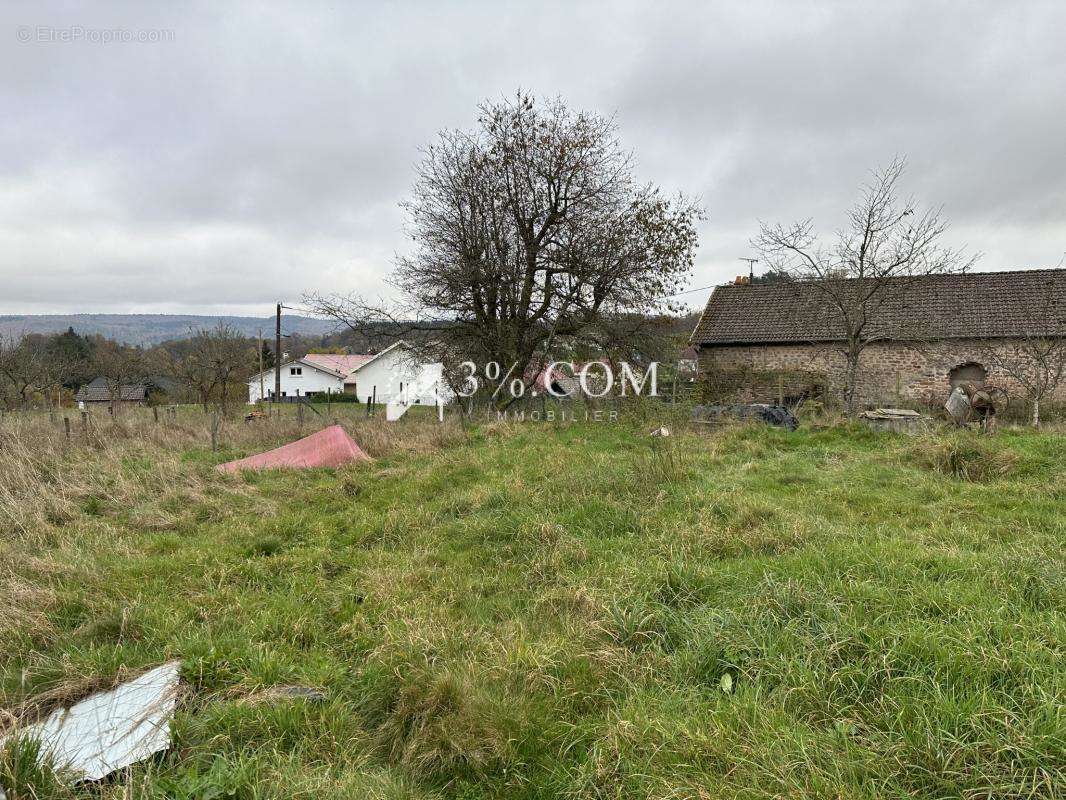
(110, 730)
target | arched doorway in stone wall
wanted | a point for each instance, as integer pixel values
(971, 372)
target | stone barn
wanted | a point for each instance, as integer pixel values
(757, 342)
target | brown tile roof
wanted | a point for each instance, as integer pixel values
(977, 304)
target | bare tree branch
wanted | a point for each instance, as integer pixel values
(873, 263)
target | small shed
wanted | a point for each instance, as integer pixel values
(136, 393)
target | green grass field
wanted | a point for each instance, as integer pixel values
(579, 611)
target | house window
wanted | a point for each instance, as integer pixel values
(296, 370)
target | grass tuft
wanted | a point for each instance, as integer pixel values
(964, 455)
(27, 773)
(444, 726)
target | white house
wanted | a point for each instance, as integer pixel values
(392, 374)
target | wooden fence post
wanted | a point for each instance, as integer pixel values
(66, 427)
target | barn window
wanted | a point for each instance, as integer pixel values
(971, 372)
(296, 370)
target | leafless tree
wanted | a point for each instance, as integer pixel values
(872, 265)
(528, 230)
(60, 367)
(1036, 360)
(24, 365)
(210, 362)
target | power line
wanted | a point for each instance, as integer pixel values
(690, 291)
(665, 297)
(301, 310)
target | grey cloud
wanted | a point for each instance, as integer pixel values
(265, 150)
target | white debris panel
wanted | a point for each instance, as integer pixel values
(110, 730)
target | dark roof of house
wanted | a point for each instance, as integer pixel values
(91, 393)
(96, 390)
(974, 305)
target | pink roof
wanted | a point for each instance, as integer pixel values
(343, 365)
(330, 447)
(561, 374)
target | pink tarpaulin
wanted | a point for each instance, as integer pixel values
(330, 447)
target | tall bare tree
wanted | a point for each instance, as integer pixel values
(530, 229)
(24, 365)
(210, 362)
(873, 263)
(59, 368)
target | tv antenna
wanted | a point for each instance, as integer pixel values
(751, 267)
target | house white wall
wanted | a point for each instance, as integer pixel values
(310, 379)
(391, 373)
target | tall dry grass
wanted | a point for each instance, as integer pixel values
(48, 479)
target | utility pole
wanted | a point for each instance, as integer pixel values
(751, 267)
(277, 358)
(262, 399)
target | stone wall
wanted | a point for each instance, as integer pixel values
(890, 372)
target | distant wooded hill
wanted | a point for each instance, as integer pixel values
(149, 329)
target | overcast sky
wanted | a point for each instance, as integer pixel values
(257, 152)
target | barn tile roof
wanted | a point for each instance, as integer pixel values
(977, 304)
